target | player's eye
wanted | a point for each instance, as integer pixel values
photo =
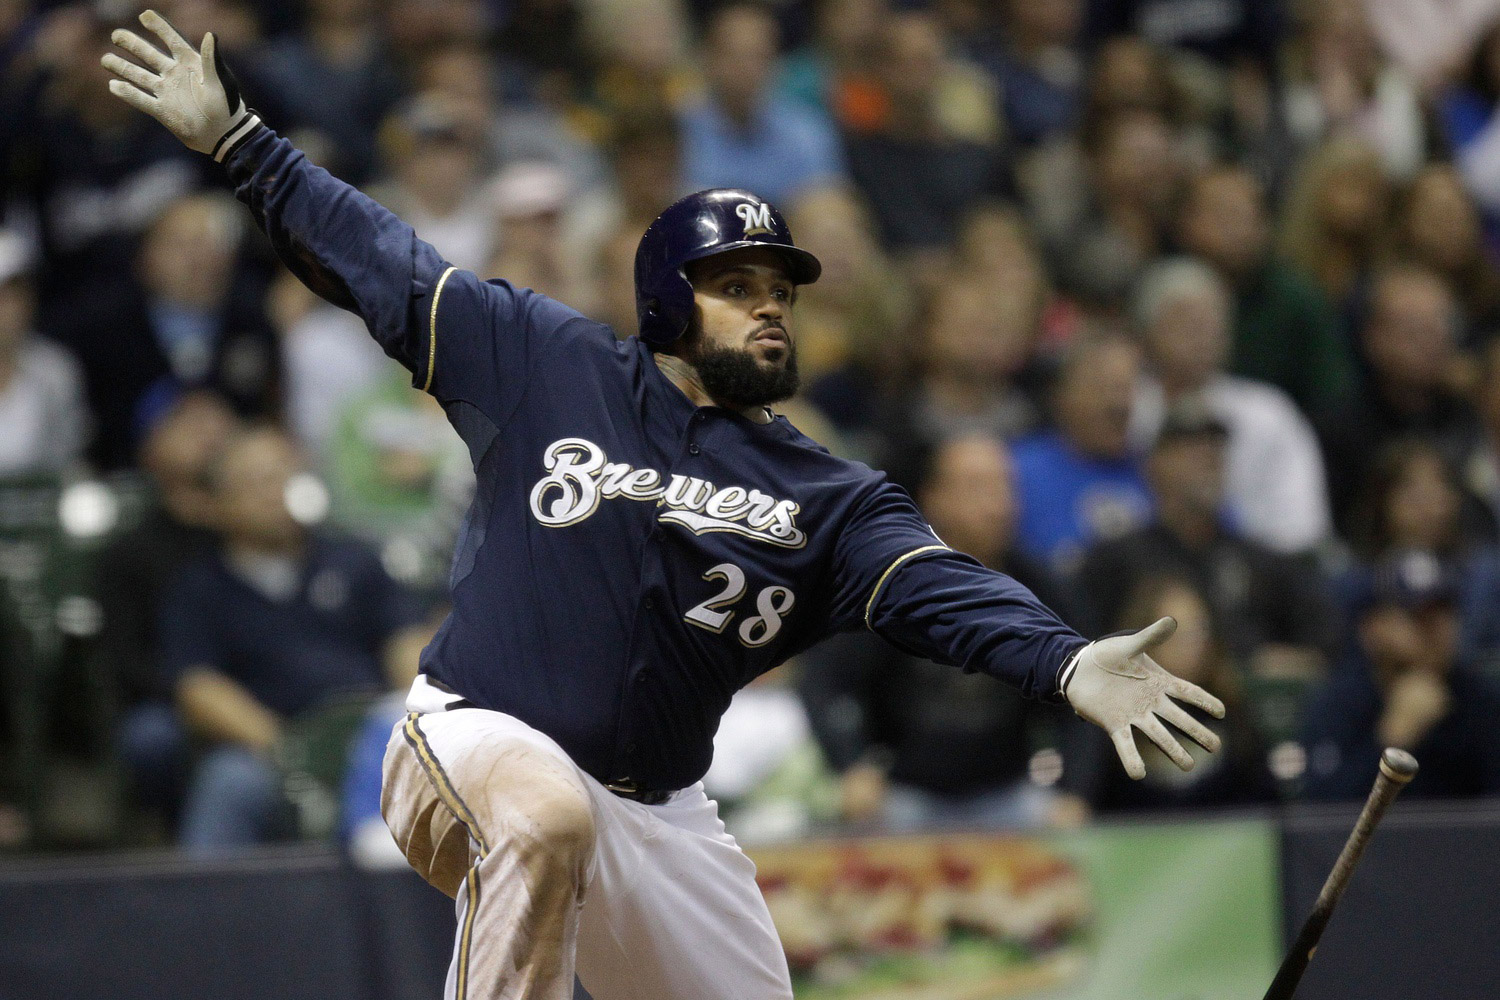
(735, 288)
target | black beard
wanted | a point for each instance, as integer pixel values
(733, 378)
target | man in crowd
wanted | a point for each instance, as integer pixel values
(1410, 347)
(132, 575)
(740, 134)
(42, 407)
(1406, 687)
(192, 320)
(1274, 481)
(1285, 331)
(918, 743)
(274, 622)
(1267, 607)
(1082, 481)
(923, 164)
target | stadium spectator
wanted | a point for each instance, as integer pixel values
(1057, 180)
(1409, 345)
(1237, 775)
(837, 73)
(1224, 33)
(613, 292)
(517, 130)
(133, 573)
(1080, 481)
(332, 83)
(1414, 501)
(400, 479)
(642, 62)
(1413, 498)
(17, 656)
(545, 39)
(644, 154)
(741, 133)
(917, 743)
(1285, 332)
(42, 406)
(529, 200)
(1340, 85)
(90, 178)
(1334, 221)
(437, 164)
(1040, 68)
(1135, 172)
(1274, 487)
(1438, 226)
(1466, 112)
(417, 27)
(1269, 610)
(195, 320)
(326, 355)
(276, 620)
(934, 150)
(850, 322)
(1405, 686)
(977, 339)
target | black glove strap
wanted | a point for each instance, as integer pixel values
(245, 124)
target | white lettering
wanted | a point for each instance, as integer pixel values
(571, 464)
(757, 218)
(579, 476)
(728, 503)
(688, 493)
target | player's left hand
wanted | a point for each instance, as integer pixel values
(191, 92)
(1115, 685)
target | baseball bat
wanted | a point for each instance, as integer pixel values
(1397, 767)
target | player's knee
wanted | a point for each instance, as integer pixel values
(563, 819)
(537, 804)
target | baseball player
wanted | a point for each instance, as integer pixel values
(646, 538)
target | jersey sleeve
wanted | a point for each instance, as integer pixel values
(460, 337)
(894, 576)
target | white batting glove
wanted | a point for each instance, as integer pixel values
(1115, 685)
(191, 93)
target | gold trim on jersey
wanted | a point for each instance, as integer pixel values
(441, 782)
(437, 293)
(450, 797)
(471, 907)
(870, 605)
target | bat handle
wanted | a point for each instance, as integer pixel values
(1397, 767)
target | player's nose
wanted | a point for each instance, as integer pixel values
(769, 308)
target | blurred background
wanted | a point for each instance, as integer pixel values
(1182, 307)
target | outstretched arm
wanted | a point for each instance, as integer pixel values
(443, 324)
(904, 584)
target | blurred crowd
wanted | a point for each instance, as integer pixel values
(1161, 306)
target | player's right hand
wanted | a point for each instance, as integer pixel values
(1112, 683)
(190, 92)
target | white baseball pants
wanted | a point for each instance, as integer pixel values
(553, 873)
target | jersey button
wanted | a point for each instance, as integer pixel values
(642, 674)
(648, 604)
(693, 449)
(630, 749)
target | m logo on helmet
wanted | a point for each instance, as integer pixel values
(757, 218)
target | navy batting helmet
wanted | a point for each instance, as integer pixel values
(702, 225)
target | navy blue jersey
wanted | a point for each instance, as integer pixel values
(631, 559)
